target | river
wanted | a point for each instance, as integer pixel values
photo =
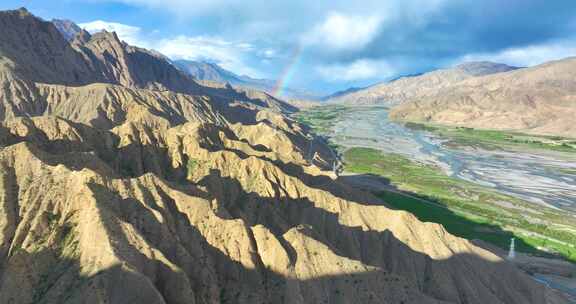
(539, 177)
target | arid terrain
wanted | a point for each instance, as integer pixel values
(535, 100)
(124, 180)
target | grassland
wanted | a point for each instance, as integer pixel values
(321, 119)
(466, 209)
(496, 139)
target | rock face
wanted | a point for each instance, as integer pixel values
(67, 28)
(539, 100)
(35, 51)
(131, 66)
(126, 191)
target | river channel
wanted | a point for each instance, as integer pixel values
(540, 177)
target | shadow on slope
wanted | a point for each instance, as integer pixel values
(135, 160)
(429, 209)
(187, 269)
(460, 278)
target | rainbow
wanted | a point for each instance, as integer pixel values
(287, 72)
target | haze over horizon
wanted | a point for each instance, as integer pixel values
(331, 45)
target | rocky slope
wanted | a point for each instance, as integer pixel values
(537, 100)
(540, 99)
(67, 28)
(410, 87)
(129, 185)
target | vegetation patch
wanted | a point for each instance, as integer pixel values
(191, 166)
(497, 139)
(321, 119)
(463, 208)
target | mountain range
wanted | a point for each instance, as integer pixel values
(207, 71)
(408, 87)
(125, 180)
(538, 100)
(203, 70)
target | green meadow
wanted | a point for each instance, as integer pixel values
(463, 208)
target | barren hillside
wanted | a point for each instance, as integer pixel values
(124, 181)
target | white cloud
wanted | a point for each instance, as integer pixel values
(229, 55)
(344, 32)
(182, 7)
(268, 53)
(358, 70)
(528, 56)
(128, 33)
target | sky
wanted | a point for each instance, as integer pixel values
(329, 45)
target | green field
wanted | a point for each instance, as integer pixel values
(321, 119)
(495, 139)
(465, 209)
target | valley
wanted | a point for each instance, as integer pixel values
(129, 176)
(489, 185)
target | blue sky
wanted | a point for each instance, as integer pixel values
(338, 43)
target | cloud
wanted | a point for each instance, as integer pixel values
(268, 53)
(128, 33)
(343, 32)
(181, 7)
(358, 70)
(229, 55)
(412, 35)
(529, 55)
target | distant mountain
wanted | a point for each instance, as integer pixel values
(404, 76)
(342, 93)
(540, 99)
(208, 71)
(203, 70)
(408, 87)
(200, 70)
(67, 28)
(481, 68)
(483, 95)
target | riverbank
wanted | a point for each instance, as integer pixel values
(465, 209)
(475, 191)
(497, 139)
(511, 166)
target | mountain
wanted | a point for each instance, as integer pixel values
(409, 87)
(208, 71)
(67, 28)
(123, 180)
(341, 93)
(538, 100)
(486, 95)
(203, 70)
(482, 68)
